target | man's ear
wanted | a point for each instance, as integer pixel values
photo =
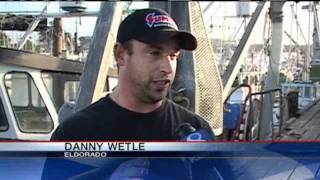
(119, 53)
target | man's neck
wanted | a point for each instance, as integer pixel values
(128, 101)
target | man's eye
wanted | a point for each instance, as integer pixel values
(155, 53)
(174, 56)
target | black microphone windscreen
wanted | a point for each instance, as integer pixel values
(184, 129)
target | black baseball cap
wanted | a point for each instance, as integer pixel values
(153, 26)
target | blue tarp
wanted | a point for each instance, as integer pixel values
(231, 118)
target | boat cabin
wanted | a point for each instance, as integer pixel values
(33, 88)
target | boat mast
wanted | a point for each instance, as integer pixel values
(316, 39)
(272, 79)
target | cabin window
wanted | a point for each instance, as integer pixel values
(3, 118)
(70, 91)
(285, 90)
(111, 83)
(62, 87)
(300, 89)
(30, 111)
(307, 93)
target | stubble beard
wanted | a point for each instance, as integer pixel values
(150, 95)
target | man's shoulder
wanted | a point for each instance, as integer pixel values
(82, 122)
(180, 109)
(183, 115)
(184, 112)
(87, 113)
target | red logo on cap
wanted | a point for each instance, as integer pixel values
(160, 20)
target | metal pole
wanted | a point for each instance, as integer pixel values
(240, 53)
(185, 77)
(30, 29)
(57, 37)
(272, 80)
(100, 54)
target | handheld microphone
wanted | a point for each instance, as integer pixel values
(186, 132)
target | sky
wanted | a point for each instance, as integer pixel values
(227, 27)
(222, 27)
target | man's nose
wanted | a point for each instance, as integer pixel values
(167, 64)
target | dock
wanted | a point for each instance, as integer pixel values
(305, 126)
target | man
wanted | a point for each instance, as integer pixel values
(147, 50)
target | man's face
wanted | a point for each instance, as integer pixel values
(150, 69)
